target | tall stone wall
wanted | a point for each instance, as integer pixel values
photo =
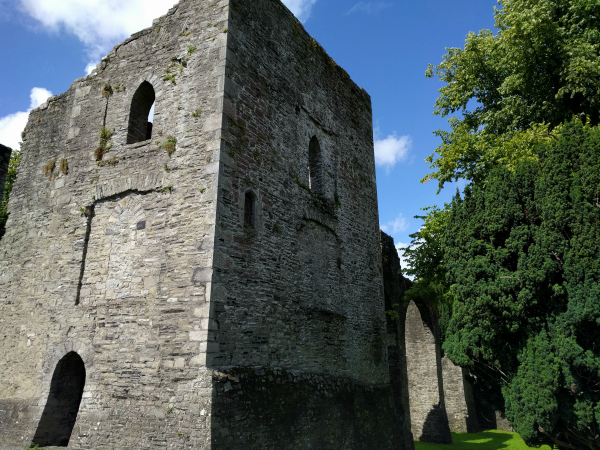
(5, 153)
(395, 286)
(425, 382)
(196, 322)
(300, 290)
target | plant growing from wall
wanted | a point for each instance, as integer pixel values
(11, 176)
(169, 77)
(64, 166)
(105, 143)
(49, 168)
(107, 90)
(169, 145)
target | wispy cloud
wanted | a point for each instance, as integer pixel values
(397, 225)
(369, 7)
(300, 8)
(99, 25)
(11, 126)
(391, 150)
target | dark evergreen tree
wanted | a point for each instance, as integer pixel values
(523, 262)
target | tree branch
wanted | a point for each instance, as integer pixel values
(513, 278)
(556, 441)
(559, 260)
(548, 134)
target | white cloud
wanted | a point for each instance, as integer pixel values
(101, 24)
(98, 24)
(397, 225)
(38, 96)
(300, 8)
(91, 66)
(391, 150)
(12, 126)
(368, 7)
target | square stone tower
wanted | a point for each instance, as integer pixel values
(208, 280)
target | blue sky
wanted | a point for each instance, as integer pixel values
(385, 46)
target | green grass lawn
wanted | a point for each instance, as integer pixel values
(487, 440)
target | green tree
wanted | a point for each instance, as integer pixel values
(523, 259)
(425, 262)
(10, 179)
(541, 67)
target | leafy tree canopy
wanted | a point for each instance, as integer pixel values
(523, 260)
(542, 67)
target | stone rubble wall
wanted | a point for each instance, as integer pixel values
(395, 285)
(302, 289)
(425, 382)
(300, 292)
(459, 399)
(145, 223)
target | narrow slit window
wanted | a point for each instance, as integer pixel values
(141, 114)
(315, 163)
(249, 216)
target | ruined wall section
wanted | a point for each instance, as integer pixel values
(298, 301)
(395, 285)
(308, 271)
(459, 399)
(425, 383)
(105, 259)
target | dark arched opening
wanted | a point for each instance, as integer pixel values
(140, 128)
(60, 413)
(315, 163)
(249, 214)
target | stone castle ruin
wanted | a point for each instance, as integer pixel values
(212, 277)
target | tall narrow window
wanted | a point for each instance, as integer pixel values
(315, 163)
(249, 216)
(140, 127)
(62, 406)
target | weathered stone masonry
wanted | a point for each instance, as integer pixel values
(229, 295)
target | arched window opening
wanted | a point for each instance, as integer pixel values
(315, 163)
(140, 124)
(60, 413)
(249, 214)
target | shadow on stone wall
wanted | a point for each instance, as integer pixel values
(60, 413)
(435, 427)
(270, 408)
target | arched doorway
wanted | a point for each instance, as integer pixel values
(66, 388)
